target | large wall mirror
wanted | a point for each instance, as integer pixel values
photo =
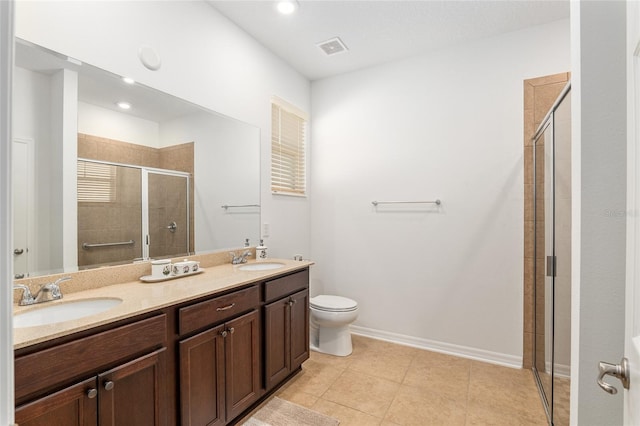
(96, 184)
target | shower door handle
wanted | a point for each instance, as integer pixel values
(621, 371)
(172, 227)
(551, 266)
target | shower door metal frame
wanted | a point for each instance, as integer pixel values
(146, 171)
(548, 121)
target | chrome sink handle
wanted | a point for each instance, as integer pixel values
(50, 291)
(27, 298)
(236, 260)
(621, 371)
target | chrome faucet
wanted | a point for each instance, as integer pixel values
(46, 293)
(27, 298)
(236, 260)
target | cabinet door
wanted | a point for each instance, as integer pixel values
(277, 342)
(76, 405)
(132, 394)
(299, 328)
(242, 353)
(202, 396)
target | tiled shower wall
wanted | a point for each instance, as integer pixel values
(539, 95)
(90, 226)
(119, 220)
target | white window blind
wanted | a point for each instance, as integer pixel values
(288, 175)
(96, 182)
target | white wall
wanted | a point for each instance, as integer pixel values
(598, 31)
(64, 183)
(226, 159)
(32, 121)
(446, 125)
(98, 121)
(205, 59)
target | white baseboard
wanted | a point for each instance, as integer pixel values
(560, 370)
(446, 348)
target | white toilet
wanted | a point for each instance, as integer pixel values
(329, 321)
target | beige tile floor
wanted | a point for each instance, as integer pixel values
(386, 384)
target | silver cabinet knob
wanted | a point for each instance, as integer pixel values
(621, 371)
(108, 385)
(92, 393)
(232, 330)
(223, 333)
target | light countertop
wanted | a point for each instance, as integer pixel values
(139, 297)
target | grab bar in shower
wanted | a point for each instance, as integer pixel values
(375, 203)
(227, 206)
(88, 246)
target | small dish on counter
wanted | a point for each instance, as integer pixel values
(152, 279)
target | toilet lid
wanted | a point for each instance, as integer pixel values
(331, 303)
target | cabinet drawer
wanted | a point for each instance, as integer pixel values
(57, 365)
(216, 310)
(280, 287)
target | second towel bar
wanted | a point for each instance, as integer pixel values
(375, 203)
(227, 206)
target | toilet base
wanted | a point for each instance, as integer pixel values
(331, 340)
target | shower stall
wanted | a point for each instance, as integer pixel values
(552, 260)
(130, 212)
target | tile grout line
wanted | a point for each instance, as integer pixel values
(399, 387)
(466, 407)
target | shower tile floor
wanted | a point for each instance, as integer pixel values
(387, 384)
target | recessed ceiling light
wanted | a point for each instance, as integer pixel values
(128, 80)
(287, 7)
(124, 105)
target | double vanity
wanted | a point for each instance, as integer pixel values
(198, 350)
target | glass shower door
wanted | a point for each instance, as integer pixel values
(543, 208)
(168, 214)
(109, 213)
(552, 207)
(562, 252)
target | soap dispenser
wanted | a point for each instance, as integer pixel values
(261, 251)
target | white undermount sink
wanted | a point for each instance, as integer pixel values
(260, 266)
(54, 312)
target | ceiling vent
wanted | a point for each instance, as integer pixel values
(332, 46)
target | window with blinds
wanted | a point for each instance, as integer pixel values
(96, 182)
(288, 175)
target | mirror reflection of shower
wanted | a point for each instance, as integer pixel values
(129, 212)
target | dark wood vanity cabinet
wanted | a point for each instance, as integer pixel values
(130, 393)
(286, 326)
(220, 367)
(69, 406)
(199, 363)
(126, 395)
